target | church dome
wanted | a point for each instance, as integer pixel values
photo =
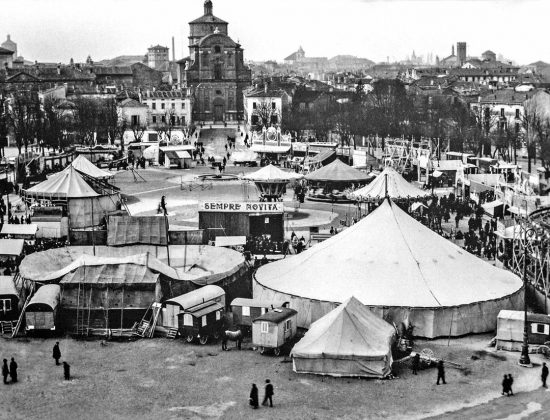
(8, 44)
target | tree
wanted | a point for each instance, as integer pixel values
(86, 120)
(111, 121)
(23, 118)
(265, 111)
(4, 119)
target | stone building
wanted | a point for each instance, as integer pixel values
(215, 70)
(158, 57)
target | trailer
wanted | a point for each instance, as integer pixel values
(274, 329)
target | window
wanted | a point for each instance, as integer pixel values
(173, 119)
(218, 92)
(246, 311)
(5, 305)
(162, 105)
(218, 71)
(273, 105)
(254, 120)
(517, 128)
(154, 119)
(517, 112)
(173, 105)
(183, 120)
(274, 119)
(502, 112)
(217, 49)
(154, 105)
(264, 327)
(218, 315)
(135, 119)
(188, 320)
(183, 105)
(163, 118)
(540, 328)
(264, 310)
(254, 105)
(288, 325)
(203, 320)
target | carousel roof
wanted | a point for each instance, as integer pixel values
(68, 183)
(81, 164)
(337, 171)
(272, 173)
(389, 183)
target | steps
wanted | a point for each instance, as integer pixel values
(6, 327)
(172, 333)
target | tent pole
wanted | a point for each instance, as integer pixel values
(122, 311)
(167, 237)
(93, 229)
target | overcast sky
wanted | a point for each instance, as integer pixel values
(56, 30)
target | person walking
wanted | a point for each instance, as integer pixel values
(510, 383)
(416, 363)
(5, 371)
(67, 371)
(13, 370)
(268, 393)
(253, 400)
(544, 374)
(440, 372)
(505, 385)
(56, 353)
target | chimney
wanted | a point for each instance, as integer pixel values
(173, 49)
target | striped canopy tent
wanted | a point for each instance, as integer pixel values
(83, 165)
(69, 183)
(271, 181)
(390, 184)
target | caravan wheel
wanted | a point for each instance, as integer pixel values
(262, 350)
(203, 339)
(189, 338)
(277, 351)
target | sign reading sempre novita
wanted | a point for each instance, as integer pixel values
(241, 207)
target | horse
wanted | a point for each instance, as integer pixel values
(236, 336)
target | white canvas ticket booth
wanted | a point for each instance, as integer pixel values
(179, 304)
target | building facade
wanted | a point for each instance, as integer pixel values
(215, 70)
(172, 107)
(158, 57)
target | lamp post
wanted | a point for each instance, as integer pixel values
(524, 359)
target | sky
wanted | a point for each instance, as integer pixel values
(57, 30)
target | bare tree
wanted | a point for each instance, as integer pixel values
(86, 119)
(266, 111)
(23, 118)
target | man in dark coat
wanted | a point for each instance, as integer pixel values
(67, 371)
(440, 372)
(416, 363)
(544, 374)
(5, 371)
(13, 370)
(268, 393)
(56, 353)
(254, 396)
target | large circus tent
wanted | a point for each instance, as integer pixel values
(399, 269)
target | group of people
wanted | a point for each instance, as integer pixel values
(9, 370)
(268, 395)
(507, 383)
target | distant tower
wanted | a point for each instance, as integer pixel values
(8, 44)
(461, 52)
(453, 50)
(208, 7)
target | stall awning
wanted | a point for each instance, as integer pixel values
(492, 207)
(10, 229)
(11, 247)
(230, 240)
(260, 148)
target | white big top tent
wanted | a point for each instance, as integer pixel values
(398, 268)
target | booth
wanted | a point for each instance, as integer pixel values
(241, 219)
(25, 232)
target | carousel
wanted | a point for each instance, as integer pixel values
(271, 182)
(334, 182)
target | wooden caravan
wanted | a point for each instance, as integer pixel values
(246, 310)
(9, 299)
(274, 329)
(41, 312)
(510, 330)
(173, 307)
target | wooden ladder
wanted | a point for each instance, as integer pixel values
(20, 320)
(155, 316)
(172, 333)
(6, 327)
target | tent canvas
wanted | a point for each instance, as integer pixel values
(127, 230)
(337, 171)
(389, 183)
(271, 173)
(348, 341)
(12, 229)
(395, 265)
(11, 247)
(68, 183)
(83, 165)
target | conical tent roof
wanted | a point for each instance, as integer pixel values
(337, 171)
(350, 331)
(83, 165)
(68, 183)
(391, 181)
(389, 259)
(271, 173)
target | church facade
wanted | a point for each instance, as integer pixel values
(215, 70)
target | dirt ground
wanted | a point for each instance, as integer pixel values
(171, 379)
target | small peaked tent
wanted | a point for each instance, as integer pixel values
(273, 174)
(389, 183)
(337, 171)
(348, 341)
(68, 183)
(83, 165)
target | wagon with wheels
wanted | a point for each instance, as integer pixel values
(274, 329)
(196, 314)
(201, 322)
(246, 310)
